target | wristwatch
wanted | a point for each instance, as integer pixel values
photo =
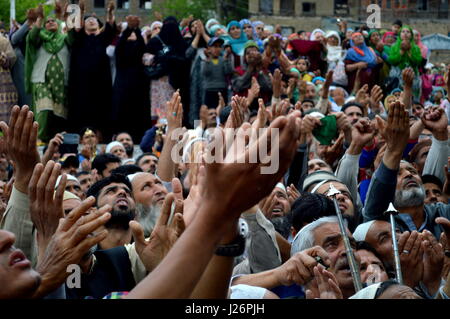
(237, 246)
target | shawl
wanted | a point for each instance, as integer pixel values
(423, 47)
(412, 59)
(368, 56)
(52, 42)
(334, 53)
(243, 22)
(237, 45)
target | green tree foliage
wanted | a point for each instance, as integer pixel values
(21, 9)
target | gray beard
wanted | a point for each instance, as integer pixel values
(147, 217)
(410, 198)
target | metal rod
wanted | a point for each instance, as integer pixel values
(398, 268)
(348, 248)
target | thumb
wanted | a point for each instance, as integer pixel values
(138, 233)
(177, 189)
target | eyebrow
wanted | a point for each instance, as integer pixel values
(383, 233)
(331, 238)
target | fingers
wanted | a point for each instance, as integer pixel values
(76, 213)
(43, 182)
(138, 234)
(318, 251)
(177, 189)
(165, 211)
(51, 182)
(32, 185)
(59, 194)
(402, 241)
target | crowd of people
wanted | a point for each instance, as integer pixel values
(359, 110)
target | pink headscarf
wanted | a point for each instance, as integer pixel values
(423, 47)
(386, 34)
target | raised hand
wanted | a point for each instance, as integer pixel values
(408, 77)
(45, 204)
(19, 142)
(362, 134)
(279, 109)
(327, 84)
(293, 193)
(433, 261)
(174, 112)
(53, 147)
(411, 258)
(163, 236)
(31, 16)
(299, 269)
(40, 12)
(435, 120)
(276, 83)
(253, 92)
(376, 95)
(396, 134)
(262, 116)
(327, 285)
(75, 236)
(362, 96)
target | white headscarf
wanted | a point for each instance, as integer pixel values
(313, 34)
(69, 178)
(367, 293)
(247, 292)
(334, 53)
(155, 24)
(362, 230)
(110, 146)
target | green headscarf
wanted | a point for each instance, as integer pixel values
(412, 58)
(52, 42)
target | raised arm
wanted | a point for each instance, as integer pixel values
(166, 166)
(194, 250)
(382, 186)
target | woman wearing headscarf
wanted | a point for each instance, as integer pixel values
(403, 54)
(250, 32)
(47, 61)
(259, 29)
(196, 54)
(334, 49)
(209, 24)
(90, 83)
(360, 57)
(8, 92)
(130, 106)
(423, 48)
(375, 42)
(237, 39)
(169, 49)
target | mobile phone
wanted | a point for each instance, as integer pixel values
(70, 138)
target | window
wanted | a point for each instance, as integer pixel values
(287, 7)
(99, 3)
(145, 4)
(123, 4)
(422, 5)
(266, 6)
(309, 8)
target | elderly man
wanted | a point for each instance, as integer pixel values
(399, 182)
(319, 238)
(149, 193)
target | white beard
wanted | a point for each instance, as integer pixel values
(147, 217)
(409, 198)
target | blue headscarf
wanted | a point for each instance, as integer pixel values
(243, 22)
(237, 45)
(369, 56)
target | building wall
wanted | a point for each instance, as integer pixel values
(357, 11)
(134, 9)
